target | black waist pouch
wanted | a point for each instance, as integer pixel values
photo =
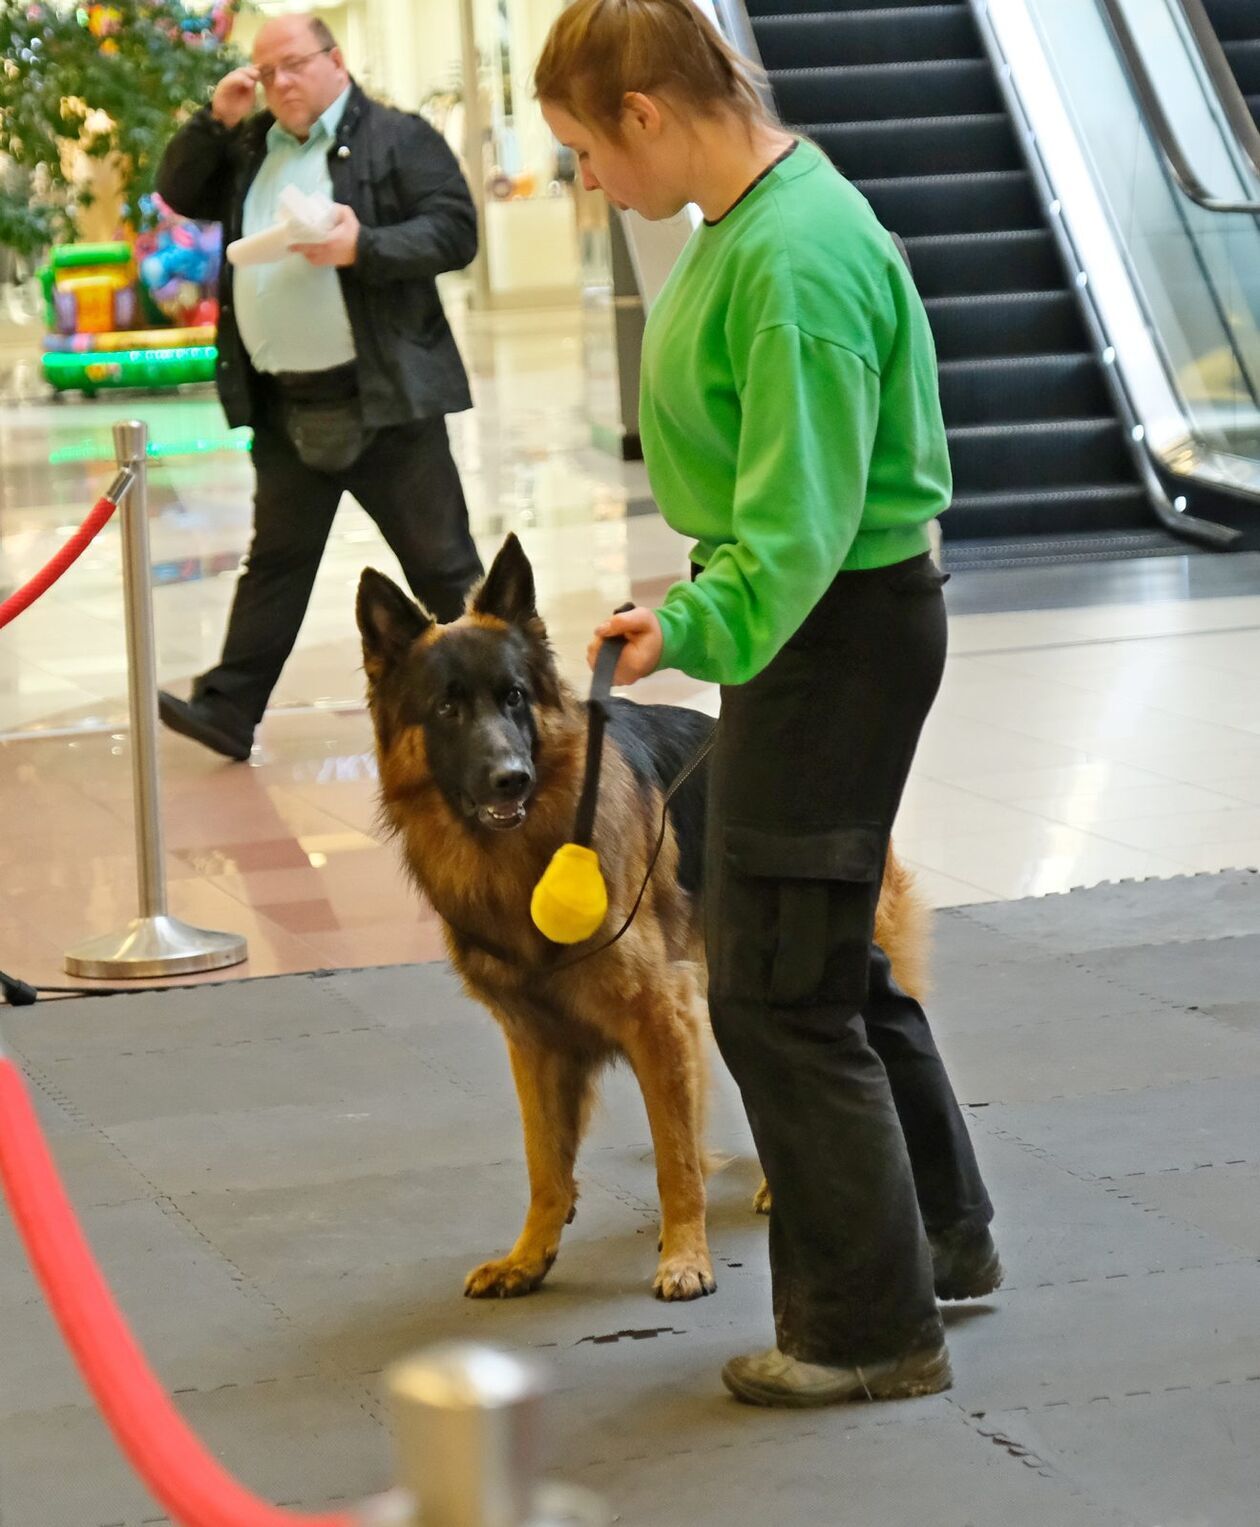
(323, 417)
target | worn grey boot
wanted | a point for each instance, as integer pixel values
(773, 1378)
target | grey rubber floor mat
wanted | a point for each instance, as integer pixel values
(285, 1181)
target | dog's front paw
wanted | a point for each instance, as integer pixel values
(687, 1275)
(504, 1279)
(762, 1199)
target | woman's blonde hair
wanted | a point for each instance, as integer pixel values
(598, 51)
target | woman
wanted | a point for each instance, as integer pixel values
(791, 425)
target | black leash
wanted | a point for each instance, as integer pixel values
(680, 779)
(599, 704)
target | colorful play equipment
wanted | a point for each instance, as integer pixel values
(205, 29)
(134, 314)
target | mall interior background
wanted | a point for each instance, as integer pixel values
(311, 1164)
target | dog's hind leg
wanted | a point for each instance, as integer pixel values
(666, 1051)
(554, 1089)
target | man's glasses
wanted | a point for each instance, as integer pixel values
(267, 77)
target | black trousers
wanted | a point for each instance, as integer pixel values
(406, 480)
(858, 1130)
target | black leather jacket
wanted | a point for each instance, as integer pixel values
(417, 218)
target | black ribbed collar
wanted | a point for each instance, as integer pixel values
(752, 186)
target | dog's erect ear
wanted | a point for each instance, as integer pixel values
(507, 594)
(507, 590)
(388, 620)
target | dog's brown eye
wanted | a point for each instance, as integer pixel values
(514, 697)
(447, 709)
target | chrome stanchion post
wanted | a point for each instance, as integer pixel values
(153, 944)
(467, 1421)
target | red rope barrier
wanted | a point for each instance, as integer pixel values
(69, 554)
(183, 1477)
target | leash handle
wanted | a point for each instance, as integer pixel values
(601, 693)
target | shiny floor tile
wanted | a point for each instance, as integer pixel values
(1072, 743)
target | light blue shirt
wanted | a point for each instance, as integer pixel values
(291, 314)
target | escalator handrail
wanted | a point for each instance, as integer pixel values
(735, 24)
(1156, 118)
(1224, 81)
(1174, 516)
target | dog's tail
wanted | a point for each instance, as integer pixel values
(903, 927)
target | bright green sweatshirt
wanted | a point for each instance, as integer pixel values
(790, 416)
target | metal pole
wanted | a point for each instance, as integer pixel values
(152, 944)
(131, 444)
(466, 1421)
(474, 151)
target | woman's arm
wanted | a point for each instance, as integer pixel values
(810, 410)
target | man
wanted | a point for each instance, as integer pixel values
(339, 355)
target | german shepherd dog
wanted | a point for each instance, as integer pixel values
(481, 750)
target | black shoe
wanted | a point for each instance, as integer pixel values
(195, 719)
(965, 1263)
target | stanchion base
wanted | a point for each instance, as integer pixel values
(154, 946)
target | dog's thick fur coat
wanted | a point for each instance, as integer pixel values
(481, 751)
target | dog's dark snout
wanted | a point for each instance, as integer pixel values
(510, 783)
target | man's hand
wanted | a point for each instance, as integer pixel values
(235, 96)
(644, 644)
(341, 247)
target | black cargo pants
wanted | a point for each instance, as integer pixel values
(858, 1130)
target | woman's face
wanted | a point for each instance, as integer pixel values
(635, 172)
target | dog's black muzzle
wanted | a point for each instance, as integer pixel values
(502, 801)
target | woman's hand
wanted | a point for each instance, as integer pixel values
(644, 643)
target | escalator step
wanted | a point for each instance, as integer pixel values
(903, 100)
(1234, 20)
(1021, 389)
(926, 146)
(1005, 324)
(1244, 59)
(1052, 453)
(990, 202)
(974, 516)
(959, 264)
(1010, 324)
(877, 92)
(802, 7)
(867, 37)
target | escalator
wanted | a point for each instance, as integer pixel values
(905, 102)
(1237, 25)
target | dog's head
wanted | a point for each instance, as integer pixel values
(461, 705)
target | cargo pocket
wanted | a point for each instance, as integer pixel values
(796, 914)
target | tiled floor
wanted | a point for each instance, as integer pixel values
(1074, 742)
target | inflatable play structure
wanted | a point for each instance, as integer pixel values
(133, 314)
